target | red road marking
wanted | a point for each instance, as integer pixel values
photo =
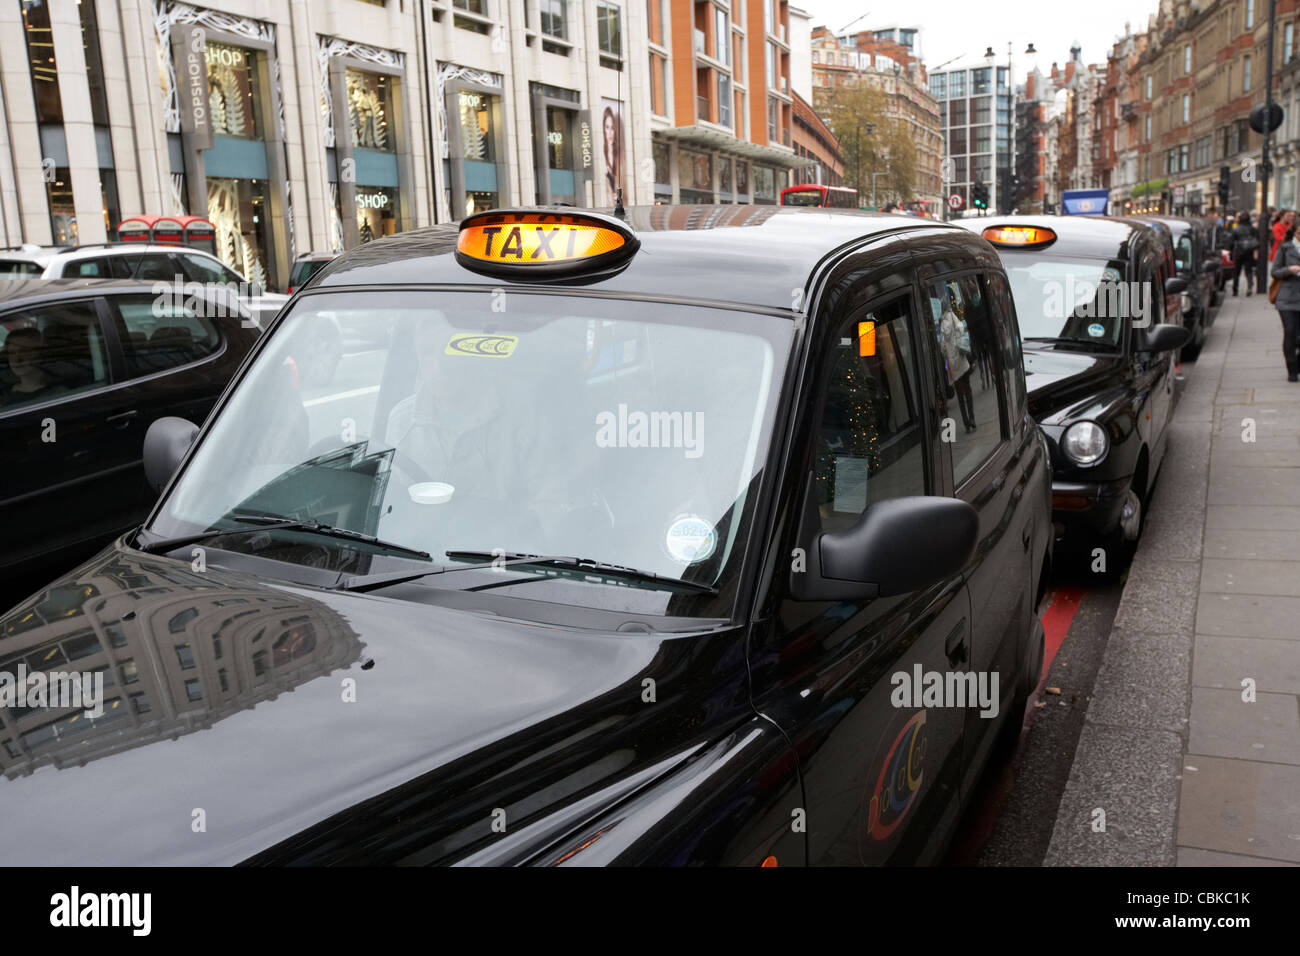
(1057, 618)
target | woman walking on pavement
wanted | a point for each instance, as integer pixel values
(1287, 268)
(1244, 244)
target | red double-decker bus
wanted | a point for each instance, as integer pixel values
(810, 194)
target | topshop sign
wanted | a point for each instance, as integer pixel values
(189, 48)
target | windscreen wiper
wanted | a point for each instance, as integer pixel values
(270, 523)
(500, 559)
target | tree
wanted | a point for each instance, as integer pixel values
(873, 140)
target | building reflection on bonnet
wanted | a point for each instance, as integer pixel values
(177, 650)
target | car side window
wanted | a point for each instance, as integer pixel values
(93, 268)
(975, 419)
(50, 351)
(159, 335)
(205, 270)
(156, 267)
(1008, 334)
(870, 445)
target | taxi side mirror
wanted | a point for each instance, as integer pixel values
(165, 445)
(1210, 266)
(1175, 284)
(1163, 338)
(896, 547)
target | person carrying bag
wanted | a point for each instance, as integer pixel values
(1286, 273)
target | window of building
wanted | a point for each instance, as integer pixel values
(721, 36)
(772, 114)
(980, 81)
(1245, 73)
(555, 18)
(1250, 13)
(658, 85)
(369, 102)
(1187, 107)
(1149, 84)
(982, 110)
(609, 33)
(1187, 58)
(193, 690)
(1288, 42)
(1147, 131)
(724, 99)
(478, 8)
(233, 91)
(655, 14)
(957, 84)
(770, 63)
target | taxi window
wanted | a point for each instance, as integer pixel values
(625, 432)
(1080, 302)
(870, 446)
(969, 350)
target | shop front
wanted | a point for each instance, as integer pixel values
(228, 156)
(371, 168)
(471, 124)
(563, 148)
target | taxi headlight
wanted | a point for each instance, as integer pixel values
(1188, 305)
(1085, 443)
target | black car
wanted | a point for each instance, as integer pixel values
(86, 366)
(646, 541)
(1092, 295)
(1196, 261)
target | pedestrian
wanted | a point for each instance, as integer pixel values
(1244, 245)
(1287, 268)
(1284, 220)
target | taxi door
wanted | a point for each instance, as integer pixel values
(989, 468)
(843, 679)
(1153, 371)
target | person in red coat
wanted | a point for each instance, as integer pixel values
(1280, 226)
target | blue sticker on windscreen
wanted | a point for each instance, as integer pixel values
(1096, 330)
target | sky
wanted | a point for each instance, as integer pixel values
(965, 28)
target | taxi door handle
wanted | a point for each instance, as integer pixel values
(122, 419)
(955, 646)
(1026, 536)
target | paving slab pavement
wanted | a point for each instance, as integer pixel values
(1191, 744)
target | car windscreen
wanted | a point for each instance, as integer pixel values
(626, 432)
(1074, 300)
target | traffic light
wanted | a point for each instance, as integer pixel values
(1225, 175)
(979, 196)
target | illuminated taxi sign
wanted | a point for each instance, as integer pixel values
(536, 244)
(1019, 235)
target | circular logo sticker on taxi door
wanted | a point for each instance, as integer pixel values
(691, 538)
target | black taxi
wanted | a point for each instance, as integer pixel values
(696, 535)
(1092, 295)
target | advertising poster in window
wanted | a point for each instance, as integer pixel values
(611, 124)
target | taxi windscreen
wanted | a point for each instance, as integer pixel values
(1074, 301)
(626, 432)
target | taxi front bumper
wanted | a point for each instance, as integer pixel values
(1083, 512)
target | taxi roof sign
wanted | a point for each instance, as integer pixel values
(1023, 236)
(531, 243)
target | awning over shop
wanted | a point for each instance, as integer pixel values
(705, 138)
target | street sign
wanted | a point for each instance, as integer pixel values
(955, 201)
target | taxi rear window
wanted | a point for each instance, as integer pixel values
(1076, 301)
